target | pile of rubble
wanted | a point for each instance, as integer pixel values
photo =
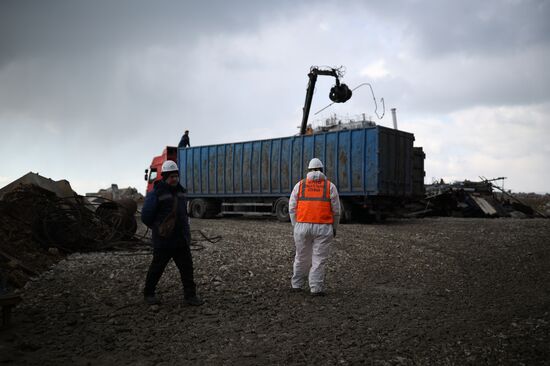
(539, 202)
(472, 199)
(42, 220)
(114, 193)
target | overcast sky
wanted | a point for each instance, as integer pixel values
(90, 91)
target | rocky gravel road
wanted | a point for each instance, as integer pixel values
(440, 291)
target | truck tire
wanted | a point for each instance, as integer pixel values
(204, 209)
(281, 209)
(345, 211)
(198, 208)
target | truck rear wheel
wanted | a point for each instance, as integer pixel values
(198, 208)
(204, 209)
(281, 209)
(345, 211)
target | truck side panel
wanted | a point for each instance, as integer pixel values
(361, 162)
(396, 159)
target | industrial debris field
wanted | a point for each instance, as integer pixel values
(433, 291)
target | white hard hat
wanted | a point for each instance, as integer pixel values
(169, 166)
(315, 164)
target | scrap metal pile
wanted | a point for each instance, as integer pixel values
(114, 193)
(37, 227)
(472, 199)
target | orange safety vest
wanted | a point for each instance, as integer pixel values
(313, 204)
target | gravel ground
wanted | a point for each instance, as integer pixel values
(430, 291)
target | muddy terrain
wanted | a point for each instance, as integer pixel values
(428, 291)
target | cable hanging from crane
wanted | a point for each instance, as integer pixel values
(373, 97)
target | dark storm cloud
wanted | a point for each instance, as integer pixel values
(74, 61)
(32, 28)
(82, 81)
(71, 50)
(487, 27)
(450, 55)
(443, 85)
(50, 28)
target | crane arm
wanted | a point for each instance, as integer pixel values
(339, 93)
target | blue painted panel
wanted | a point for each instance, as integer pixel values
(184, 161)
(255, 168)
(307, 152)
(370, 161)
(344, 143)
(371, 158)
(331, 161)
(357, 159)
(220, 171)
(204, 169)
(296, 160)
(238, 171)
(247, 157)
(229, 170)
(212, 177)
(319, 149)
(275, 166)
(197, 170)
(286, 167)
(265, 164)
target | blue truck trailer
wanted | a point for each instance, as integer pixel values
(375, 169)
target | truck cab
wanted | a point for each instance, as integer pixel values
(153, 173)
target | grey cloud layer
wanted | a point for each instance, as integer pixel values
(440, 27)
(469, 27)
(91, 53)
(29, 28)
(138, 72)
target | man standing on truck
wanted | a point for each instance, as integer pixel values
(314, 209)
(165, 212)
(184, 142)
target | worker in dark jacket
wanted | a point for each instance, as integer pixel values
(165, 212)
(184, 142)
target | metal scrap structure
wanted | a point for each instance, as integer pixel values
(42, 220)
(472, 199)
(68, 223)
(38, 227)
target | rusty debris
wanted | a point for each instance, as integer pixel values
(61, 188)
(114, 193)
(471, 199)
(37, 228)
(41, 221)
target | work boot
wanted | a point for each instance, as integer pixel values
(318, 294)
(151, 300)
(193, 300)
(295, 289)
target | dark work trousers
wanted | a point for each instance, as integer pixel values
(184, 262)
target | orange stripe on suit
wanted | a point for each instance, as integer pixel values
(313, 203)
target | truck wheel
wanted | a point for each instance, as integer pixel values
(345, 211)
(281, 210)
(198, 208)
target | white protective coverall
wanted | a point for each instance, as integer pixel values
(312, 240)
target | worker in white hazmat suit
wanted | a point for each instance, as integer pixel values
(314, 209)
